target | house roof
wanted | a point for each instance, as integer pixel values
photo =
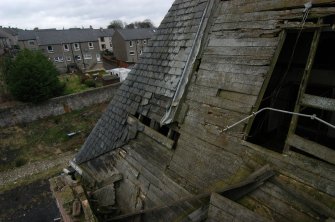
(3, 34)
(151, 85)
(54, 37)
(11, 31)
(24, 35)
(133, 34)
(104, 32)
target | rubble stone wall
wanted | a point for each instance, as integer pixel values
(25, 113)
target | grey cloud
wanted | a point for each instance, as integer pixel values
(75, 13)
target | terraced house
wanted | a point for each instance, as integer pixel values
(229, 115)
(68, 49)
(130, 43)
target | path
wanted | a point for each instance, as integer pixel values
(11, 176)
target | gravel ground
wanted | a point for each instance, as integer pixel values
(11, 176)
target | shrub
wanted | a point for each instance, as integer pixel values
(90, 83)
(31, 77)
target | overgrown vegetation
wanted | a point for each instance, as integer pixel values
(73, 83)
(45, 139)
(31, 77)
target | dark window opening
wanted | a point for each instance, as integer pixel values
(321, 83)
(145, 120)
(269, 128)
(316, 131)
(174, 135)
(164, 130)
(137, 115)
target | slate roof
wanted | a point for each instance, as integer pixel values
(3, 34)
(25, 35)
(133, 34)
(151, 85)
(104, 32)
(54, 37)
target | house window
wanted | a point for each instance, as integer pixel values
(102, 39)
(103, 46)
(77, 57)
(298, 87)
(59, 59)
(98, 57)
(138, 42)
(76, 46)
(31, 42)
(66, 47)
(50, 49)
(68, 59)
(111, 45)
(144, 41)
(131, 53)
(90, 45)
(87, 56)
(140, 52)
(131, 44)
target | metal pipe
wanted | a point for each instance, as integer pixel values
(313, 117)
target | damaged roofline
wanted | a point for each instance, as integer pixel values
(170, 114)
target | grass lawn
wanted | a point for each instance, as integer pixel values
(72, 83)
(46, 138)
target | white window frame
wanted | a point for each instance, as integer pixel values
(98, 56)
(132, 53)
(131, 44)
(68, 59)
(76, 48)
(102, 39)
(103, 46)
(141, 52)
(50, 50)
(90, 45)
(77, 57)
(66, 49)
(144, 41)
(59, 59)
(87, 56)
(31, 42)
(138, 42)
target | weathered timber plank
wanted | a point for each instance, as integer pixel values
(231, 68)
(234, 82)
(245, 42)
(152, 133)
(276, 5)
(264, 25)
(312, 148)
(239, 51)
(233, 96)
(275, 15)
(220, 102)
(278, 207)
(298, 25)
(302, 170)
(286, 198)
(216, 214)
(248, 33)
(239, 212)
(305, 198)
(222, 120)
(256, 60)
(318, 102)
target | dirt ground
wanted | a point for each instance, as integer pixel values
(33, 202)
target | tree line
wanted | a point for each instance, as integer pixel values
(119, 24)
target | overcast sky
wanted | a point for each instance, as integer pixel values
(28, 14)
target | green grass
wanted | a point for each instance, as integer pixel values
(72, 83)
(47, 138)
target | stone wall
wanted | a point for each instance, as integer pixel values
(25, 113)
